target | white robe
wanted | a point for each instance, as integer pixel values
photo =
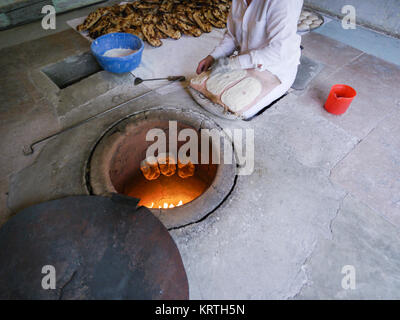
(265, 34)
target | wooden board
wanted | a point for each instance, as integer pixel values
(212, 107)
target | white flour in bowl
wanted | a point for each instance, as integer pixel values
(118, 52)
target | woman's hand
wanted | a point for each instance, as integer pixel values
(205, 64)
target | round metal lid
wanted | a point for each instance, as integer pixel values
(100, 248)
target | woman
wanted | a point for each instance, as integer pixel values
(264, 32)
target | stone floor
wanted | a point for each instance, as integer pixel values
(325, 192)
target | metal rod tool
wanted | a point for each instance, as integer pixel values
(172, 78)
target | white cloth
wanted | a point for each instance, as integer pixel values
(265, 33)
(275, 94)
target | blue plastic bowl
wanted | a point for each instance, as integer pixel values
(118, 40)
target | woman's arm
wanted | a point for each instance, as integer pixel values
(228, 45)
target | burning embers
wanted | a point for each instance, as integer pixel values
(166, 205)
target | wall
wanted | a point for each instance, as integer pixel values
(382, 15)
(16, 12)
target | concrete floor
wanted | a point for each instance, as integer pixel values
(325, 192)
(377, 44)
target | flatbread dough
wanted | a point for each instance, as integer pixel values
(219, 82)
(314, 25)
(149, 168)
(303, 27)
(242, 94)
(186, 170)
(167, 164)
(308, 21)
(318, 21)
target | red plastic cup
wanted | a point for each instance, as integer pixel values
(339, 99)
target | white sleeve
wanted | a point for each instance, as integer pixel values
(282, 17)
(227, 45)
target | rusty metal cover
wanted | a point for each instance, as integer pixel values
(101, 248)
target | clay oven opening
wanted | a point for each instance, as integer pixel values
(170, 187)
(179, 193)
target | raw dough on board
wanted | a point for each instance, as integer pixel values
(303, 27)
(314, 25)
(307, 21)
(254, 85)
(242, 94)
(318, 21)
(219, 82)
